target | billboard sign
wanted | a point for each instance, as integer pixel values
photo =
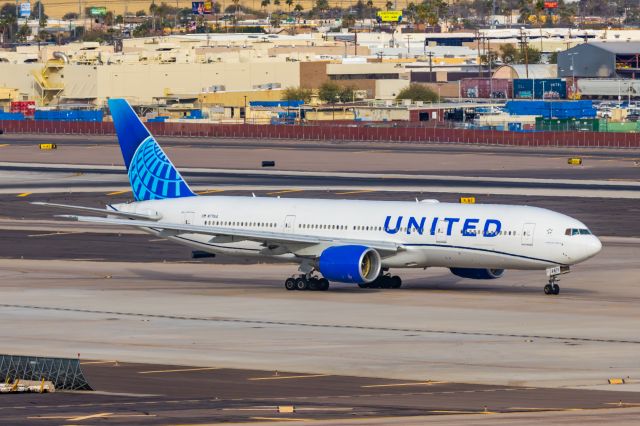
(202, 7)
(389, 15)
(197, 7)
(25, 10)
(550, 4)
(98, 11)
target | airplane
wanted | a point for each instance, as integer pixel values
(346, 241)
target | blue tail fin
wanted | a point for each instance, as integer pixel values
(151, 173)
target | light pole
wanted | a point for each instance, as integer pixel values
(245, 109)
(573, 72)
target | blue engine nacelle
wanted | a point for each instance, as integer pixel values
(350, 264)
(477, 274)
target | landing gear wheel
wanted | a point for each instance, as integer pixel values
(552, 289)
(290, 284)
(396, 282)
(364, 285)
(323, 284)
(302, 284)
(314, 284)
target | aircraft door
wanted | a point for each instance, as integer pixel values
(441, 232)
(289, 223)
(527, 234)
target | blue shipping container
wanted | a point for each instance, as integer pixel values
(550, 109)
(69, 115)
(274, 104)
(11, 116)
(544, 88)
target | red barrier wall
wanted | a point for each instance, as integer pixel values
(360, 132)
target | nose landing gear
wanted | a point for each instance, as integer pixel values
(554, 276)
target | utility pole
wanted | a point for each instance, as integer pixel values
(525, 49)
(408, 43)
(430, 55)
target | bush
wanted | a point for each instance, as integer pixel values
(418, 92)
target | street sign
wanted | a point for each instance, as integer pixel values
(25, 10)
(390, 15)
(550, 4)
(98, 11)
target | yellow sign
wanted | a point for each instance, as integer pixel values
(390, 15)
(48, 146)
(467, 200)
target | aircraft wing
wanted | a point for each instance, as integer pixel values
(292, 241)
(111, 212)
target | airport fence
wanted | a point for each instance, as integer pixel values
(344, 133)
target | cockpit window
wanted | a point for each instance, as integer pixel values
(577, 231)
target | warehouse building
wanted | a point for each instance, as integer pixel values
(609, 59)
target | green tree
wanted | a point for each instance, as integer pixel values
(322, 5)
(418, 92)
(23, 32)
(70, 16)
(289, 3)
(329, 92)
(297, 94)
(8, 21)
(508, 54)
(37, 12)
(347, 94)
(533, 56)
(298, 8)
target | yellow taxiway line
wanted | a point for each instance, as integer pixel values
(285, 191)
(24, 194)
(389, 385)
(118, 192)
(209, 191)
(306, 376)
(179, 370)
(361, 191)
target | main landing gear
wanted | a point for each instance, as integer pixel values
(306, 283)
(383, 281)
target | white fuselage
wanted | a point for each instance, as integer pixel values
(431, 233)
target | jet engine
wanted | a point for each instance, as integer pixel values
(477, 274)
(350, 264)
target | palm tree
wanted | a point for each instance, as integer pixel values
(289, 3)
(370, 6)
(264, 4)
(298, 9)
(276, 3)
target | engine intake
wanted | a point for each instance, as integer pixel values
(477, 274)
(350, 264)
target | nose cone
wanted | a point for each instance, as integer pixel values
(595, 245)
(589, 247)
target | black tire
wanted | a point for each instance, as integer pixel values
(396, 282)
(302, 284)
(556, 289)
(314, 284)
(324, 284)
(364, 285)
(290, 284)
(548, 289)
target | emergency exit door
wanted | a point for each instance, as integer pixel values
(527, 234)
